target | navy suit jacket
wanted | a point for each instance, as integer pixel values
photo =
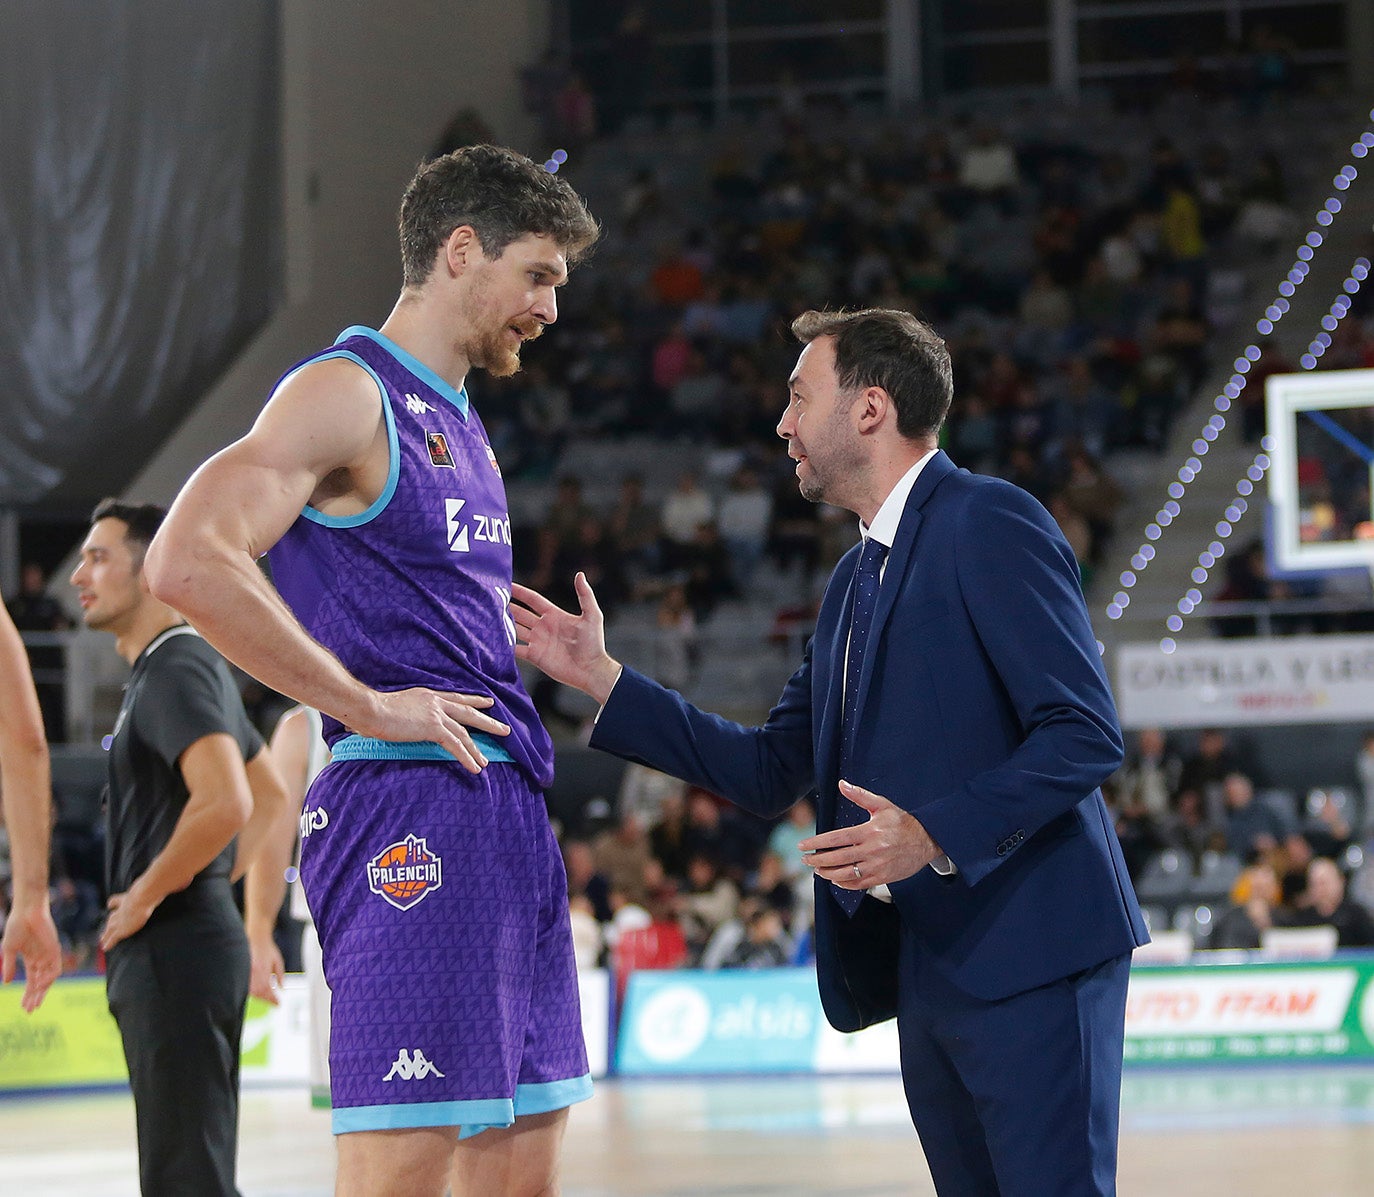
(984, 710)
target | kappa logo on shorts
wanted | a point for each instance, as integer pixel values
(405, 873)
(411, 1067)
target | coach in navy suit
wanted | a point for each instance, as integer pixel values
(954, 719)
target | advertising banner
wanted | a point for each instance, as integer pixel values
(758, 1022)
(1233, 683)
(72, 1039)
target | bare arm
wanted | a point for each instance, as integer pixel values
(26, 792)
(218, 807)
(321, 439)
(266, 844)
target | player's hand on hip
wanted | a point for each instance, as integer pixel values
(419, 714)
(570, 648)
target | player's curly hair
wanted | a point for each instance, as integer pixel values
(503, 195)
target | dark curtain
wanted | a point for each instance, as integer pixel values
(138, 226)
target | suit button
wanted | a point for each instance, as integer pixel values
(1001, 849)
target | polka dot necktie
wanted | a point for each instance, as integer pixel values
(866, 578)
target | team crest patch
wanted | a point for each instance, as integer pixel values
(491, 457)
(405, 873)
(439, 454)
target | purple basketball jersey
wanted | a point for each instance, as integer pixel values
(414, 590)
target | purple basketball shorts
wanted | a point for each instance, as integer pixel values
(442, 911)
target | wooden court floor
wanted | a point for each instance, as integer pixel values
(1257, 1132)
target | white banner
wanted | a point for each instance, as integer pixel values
(1194, 1002)
(1228, 683)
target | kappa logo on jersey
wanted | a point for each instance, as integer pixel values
(411, 1067)
(491, 457)
(417, 406)
(405, 873)
(439, 454)
(313, 820)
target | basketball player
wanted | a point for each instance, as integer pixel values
(431, 870)
(187, 775)
(301, 754)
(26, 794)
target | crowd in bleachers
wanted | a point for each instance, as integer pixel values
(1214, 853)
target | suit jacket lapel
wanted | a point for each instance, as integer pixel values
(899, 559)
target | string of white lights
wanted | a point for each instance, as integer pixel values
(1259, 467)
(1273, 314)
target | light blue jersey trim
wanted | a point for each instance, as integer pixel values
(472, 1116)
(459, 399)
(365, 748)
(393, 471)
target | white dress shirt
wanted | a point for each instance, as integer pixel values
(884, 531)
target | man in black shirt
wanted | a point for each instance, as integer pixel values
(187, 774)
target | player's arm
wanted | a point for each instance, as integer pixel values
(265, 845)
(319, 439)
(217, 808)
(26, 793)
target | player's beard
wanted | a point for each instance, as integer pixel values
(493, 351)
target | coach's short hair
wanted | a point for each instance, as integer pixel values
(891, 349)
(503, 195)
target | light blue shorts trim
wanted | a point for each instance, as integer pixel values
(365, 748)
(473, 1117)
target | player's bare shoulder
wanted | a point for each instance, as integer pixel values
(328, 418)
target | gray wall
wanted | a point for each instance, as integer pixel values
(366, 89)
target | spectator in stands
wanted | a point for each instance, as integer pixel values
(745, 514)
(588, 940)
(1151, 774)
(675, 648)
(710, 899)
(579, 862)
(765, 943)
(643, 792)
(1247, 581)
(622, 855)
(669, 837)
(710, 578)
(33, 609)
(1189, 827)
(573, 112)
(634, 529)
(1364, 766)
(1256, 905)
(1206, 767)
(1325, 903)
(562, 528)
(592, 552)
(987, 167)
(1255, 826)
(686, 507)
(545, 413)
(798, 824)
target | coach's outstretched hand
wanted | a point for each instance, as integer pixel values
(570, 648)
